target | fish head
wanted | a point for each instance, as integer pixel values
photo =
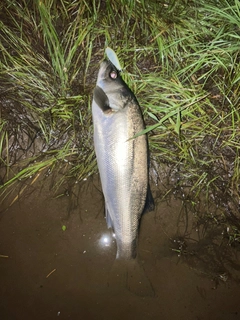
(111, 83)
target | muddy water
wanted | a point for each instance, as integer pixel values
(50, 273)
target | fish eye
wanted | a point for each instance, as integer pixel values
(113, 74)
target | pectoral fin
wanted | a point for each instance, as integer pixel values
(101, 99)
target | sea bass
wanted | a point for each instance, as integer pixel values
(122, 158)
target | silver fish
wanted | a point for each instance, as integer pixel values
(122, 160)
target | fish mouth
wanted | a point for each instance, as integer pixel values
(107, 70)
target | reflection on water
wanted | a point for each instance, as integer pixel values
(106, 240)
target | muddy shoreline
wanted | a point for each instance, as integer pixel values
(55, 274)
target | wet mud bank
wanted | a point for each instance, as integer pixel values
(57, 254)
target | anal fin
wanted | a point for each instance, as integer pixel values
(108, 218)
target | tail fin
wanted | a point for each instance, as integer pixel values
(131, 275)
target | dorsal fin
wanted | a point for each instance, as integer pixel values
(149, 204)
(101, 99)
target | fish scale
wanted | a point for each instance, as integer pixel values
(122, 159)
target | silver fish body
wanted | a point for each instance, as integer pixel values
(122, 160)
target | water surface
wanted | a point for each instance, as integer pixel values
(55, 274)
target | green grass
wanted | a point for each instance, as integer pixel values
(181, 59)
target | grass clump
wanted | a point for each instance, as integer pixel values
(182, 61)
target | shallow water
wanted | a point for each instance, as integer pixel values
(54, 274)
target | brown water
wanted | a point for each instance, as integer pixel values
(54, 274)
